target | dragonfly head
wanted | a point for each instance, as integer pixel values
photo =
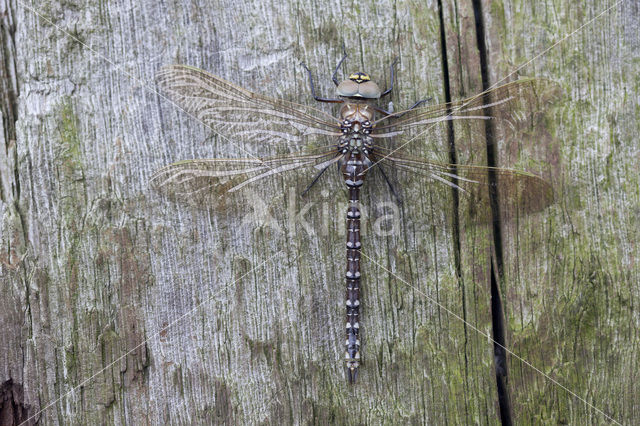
(359, 85)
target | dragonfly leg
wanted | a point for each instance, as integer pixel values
(313, 90)
(392, 67)
(335, 72)
(315, 179)
(391, 187)
(416, 105)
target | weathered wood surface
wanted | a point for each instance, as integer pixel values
(95, 264)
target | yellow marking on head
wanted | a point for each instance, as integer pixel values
(359, 77)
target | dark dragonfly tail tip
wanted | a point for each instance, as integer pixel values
(352, 375)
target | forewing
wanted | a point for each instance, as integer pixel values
(516, 107)
(238, 114)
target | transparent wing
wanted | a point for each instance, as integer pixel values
(517, 106)
(211, 181)
(239, 114)
(519, 193)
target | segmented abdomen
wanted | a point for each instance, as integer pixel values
(353, 170)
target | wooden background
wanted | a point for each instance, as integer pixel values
(94, 263)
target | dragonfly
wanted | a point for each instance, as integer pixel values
(363, 138)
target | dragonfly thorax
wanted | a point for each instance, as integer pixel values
(356, 128)
(357, 112)
(355, 144)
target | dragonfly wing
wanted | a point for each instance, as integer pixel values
(234, 112)
(517, 107)
(217, 181)
(519, 193)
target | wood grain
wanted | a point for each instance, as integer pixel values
(123, 306)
